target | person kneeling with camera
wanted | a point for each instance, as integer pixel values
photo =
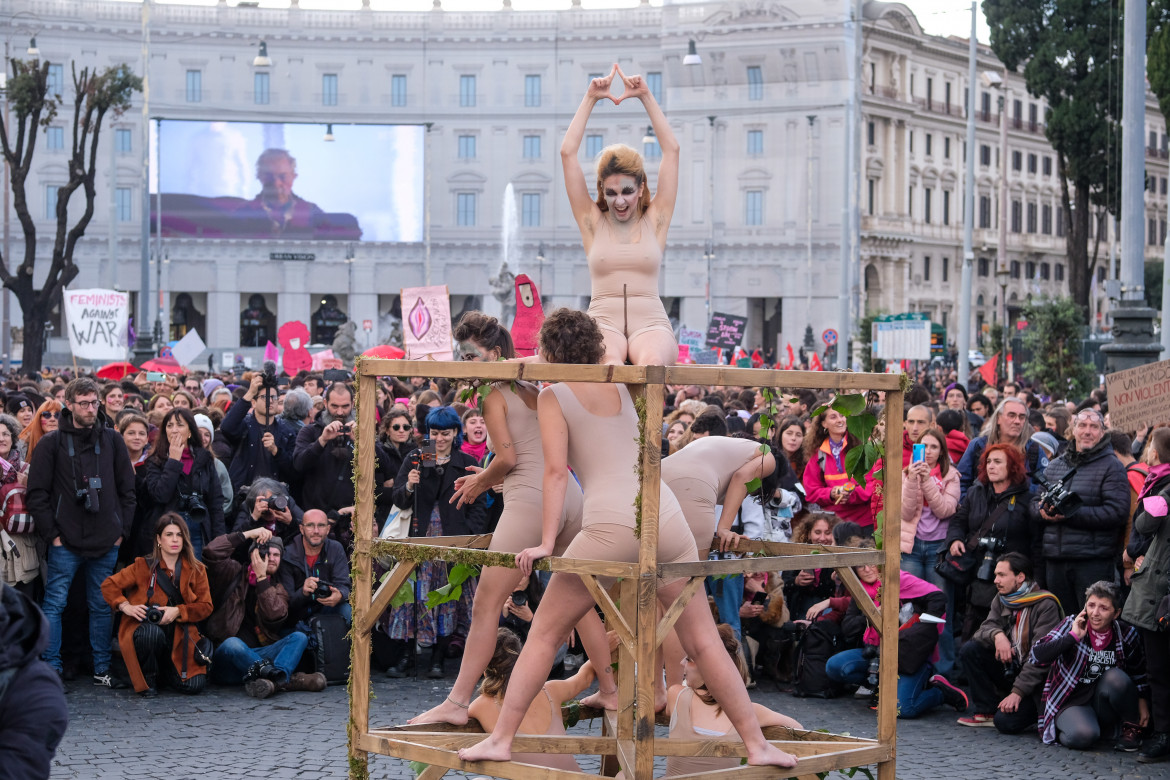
(267, 504)
(249, 620)
(315, 572)
(995, 661)
(161, 598)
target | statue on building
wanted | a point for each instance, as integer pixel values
(503, 286)
(345, 343)
(327, 319)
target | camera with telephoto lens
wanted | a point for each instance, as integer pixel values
(192, 503)
(1057, 498)
(260, 547)
(322, 591)
(278, 503)
(88, 494)
(153, 614)
(992, 547)
(519, 598)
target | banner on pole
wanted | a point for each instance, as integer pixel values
(97, 321)
(426, 323)
(1139, 396)
(188, 348)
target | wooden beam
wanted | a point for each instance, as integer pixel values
(385, 594)
(669, 571)
(433, 772)
(760, 377)
(511, 770)
(759, 547)
(467, 542)
(672, 614)
(363, 575)
(442, 552)
(892, 548)
(860, 597)
(613, 616)
(623, 719)
(805, 765)
(505, 371)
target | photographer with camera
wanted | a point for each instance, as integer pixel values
(315, 572)
(995, 518)
(324, 461)
(249, 616)
(81, 495)
(161, 598)
(1148, 605)
(1084, 510)
(262, 442)
(995, 661)
(521, 605)
(181, 478)
(267, 504)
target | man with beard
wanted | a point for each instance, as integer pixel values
(1008, 424)
(81, 496)
(324, 459)
(262, 442)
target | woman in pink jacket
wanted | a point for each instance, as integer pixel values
(930, 495)
(825, 481)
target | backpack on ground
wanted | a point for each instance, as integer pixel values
(329, 641)
(820, 641)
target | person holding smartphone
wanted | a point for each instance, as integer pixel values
(1096, 683)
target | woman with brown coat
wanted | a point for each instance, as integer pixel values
(158, 634)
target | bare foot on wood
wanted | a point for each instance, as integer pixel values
(770, 755)
(445, 712)
(492, 749)
(602, 700)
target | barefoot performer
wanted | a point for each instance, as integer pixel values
(510, 415)
(624, 231)
(595, 428)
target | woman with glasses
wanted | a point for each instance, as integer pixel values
(43, 421)
(426, 484)
(397, 438)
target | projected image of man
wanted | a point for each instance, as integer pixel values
(287, 213)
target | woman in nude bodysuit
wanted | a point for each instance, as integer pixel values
(624, 230)
(574, 419)
(510, 413)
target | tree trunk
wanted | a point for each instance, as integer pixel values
(1077, 248)
(35, 315)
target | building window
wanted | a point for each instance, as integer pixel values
(467, 147)
(1047, 166)
(1162, 231)
(986, 106)
(869, 207)
(1044, 271)
(1060, 222)
(929, 93)
(946, 207)
(984, 155)
(929, 144)
(465, 209)
(1032, 164)
(1015, 269)
(123, 140)
(1152, 232)
(56, 79)
(1032, 112)
(926, 269)
(755, 78)
(652, 151)
(51, 192)
(946, 148)
(946, 261)
(1162, 182)
(1046, 219)
(1017, 222)
(532, 90)
(1017, 161)
(870, 132)
(753, 207)
(1030, 269)
(260, 89)
(532, 147)
(926, 198)
(1018, 112)
(984, 211)
(984, 269)
(910, 201)
(123, 204)
(911, 142)
(1031, 217)
(467, 91)
(1059, 272)
(329, 89)
(398, 89)
(755, 142)
(530, 209)
(594, 143)
(194, 86)
(654, 84)
(947, 93)
(54, 138)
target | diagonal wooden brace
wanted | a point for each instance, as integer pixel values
(672, 615)
(860, 597)
(385, 594)
(613, 616)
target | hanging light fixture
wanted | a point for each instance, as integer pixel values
(262, 60)
(692, 57)
(33, 51)
(649, 138)
(328, 133)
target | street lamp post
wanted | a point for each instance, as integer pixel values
(710, 253)
(143, 349)
(809, 344)
(1001, 277)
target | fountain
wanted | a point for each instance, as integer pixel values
(502, 303)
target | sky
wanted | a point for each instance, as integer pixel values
(937, 17)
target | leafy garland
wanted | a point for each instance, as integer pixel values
(767, 423)
(862, 424)
(640, 408)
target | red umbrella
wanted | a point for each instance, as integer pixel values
(386, 351)
(116, 371)
(165, 364)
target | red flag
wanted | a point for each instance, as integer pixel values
(791, 358)
(757, 359)
(814, 362)
(987, 370)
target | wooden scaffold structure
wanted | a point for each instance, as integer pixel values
(628, 734)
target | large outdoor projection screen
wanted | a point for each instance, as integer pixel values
(365, 185)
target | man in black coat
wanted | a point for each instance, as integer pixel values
(81, 495)
(313, 559)
(33, 716)
(1081, 547)
(262, 442)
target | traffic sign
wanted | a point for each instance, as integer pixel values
(367, 324)
(829, 337)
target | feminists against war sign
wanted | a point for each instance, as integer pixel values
(97, 323)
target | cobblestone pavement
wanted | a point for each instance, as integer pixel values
(225, 734)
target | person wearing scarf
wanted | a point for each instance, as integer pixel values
(1005, 685)
(474, 435)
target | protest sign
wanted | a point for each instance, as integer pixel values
(725, 330)
(692, 338)
(1139, 396)
(97, 322)
(705, 357)
(426, 323)
(188, 348)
